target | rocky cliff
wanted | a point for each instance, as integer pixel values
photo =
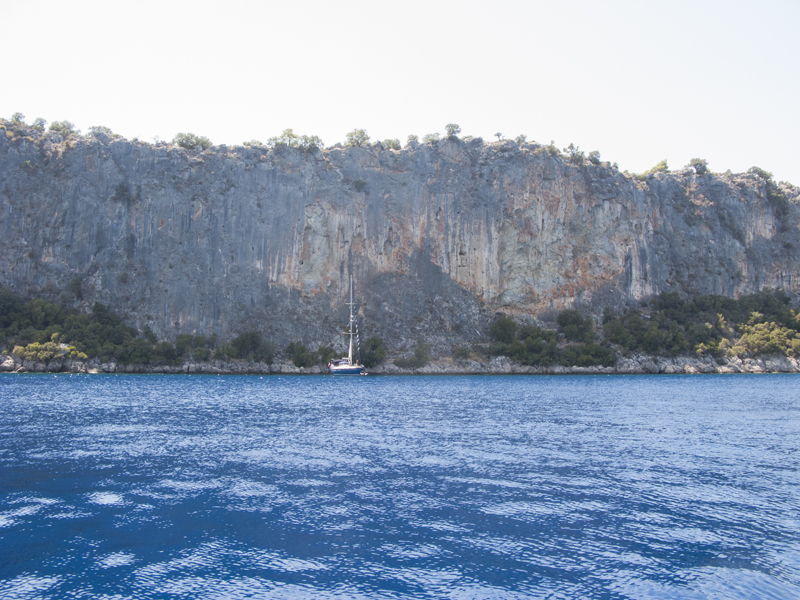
(438, 237)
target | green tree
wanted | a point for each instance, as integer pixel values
(190, 141)
(430, 138)
(325, 354)
(574, 327)
(412, 139)
(373, 353)
(75, 288)
(292, 140)
(575, 154)
(452, 130)
(462, 353)
(287, 138)
(265, 352)
(357, 138)
(521, 139)
(699, 165)
(63, 128)
(392, 144)
(310, 142)
(503, 329)
(246, 344)
(422, 354)
(95, 130)
(661, 167)
(299, 354)
(760, 173)
(39, 124)
(18, 118)
(594, 157)
(149, 335)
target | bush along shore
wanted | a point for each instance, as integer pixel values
(708, 334)
(500, 365)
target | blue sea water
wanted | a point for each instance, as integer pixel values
(515, 487)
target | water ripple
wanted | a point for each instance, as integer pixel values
(399, 488)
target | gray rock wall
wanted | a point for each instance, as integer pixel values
(438, 237)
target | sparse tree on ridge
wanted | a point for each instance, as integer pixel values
(576, 156)
(190, 141)
(94, 130)
(699, 165)
(452, 130)
(357, 138)
(760, 172)
(290, 139)
(63, 128)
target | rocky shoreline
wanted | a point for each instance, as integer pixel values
(638, 364)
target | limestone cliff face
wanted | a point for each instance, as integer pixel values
(437, 237)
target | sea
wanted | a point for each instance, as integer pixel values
(399, 487)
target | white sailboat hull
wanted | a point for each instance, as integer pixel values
(346, 370)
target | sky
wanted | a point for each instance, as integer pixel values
(637, 81)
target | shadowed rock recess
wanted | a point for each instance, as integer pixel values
(438, 237)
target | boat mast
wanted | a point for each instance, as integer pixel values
(350, 352)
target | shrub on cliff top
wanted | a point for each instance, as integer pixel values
(661, 167)
(760, 172)
(357, 138)
(190, 141)
(63, 128)
(391, 144)
(452, 130)
(575, 154)
(96, 130)
(292, 140)
(699, 165)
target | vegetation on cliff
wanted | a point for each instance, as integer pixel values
(667, 325)
(761, 323)
(535, 346)
(40, 330)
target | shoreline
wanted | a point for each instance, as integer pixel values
(637, 364)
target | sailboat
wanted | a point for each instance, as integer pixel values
(346, 365)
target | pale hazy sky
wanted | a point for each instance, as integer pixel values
(639, 81)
